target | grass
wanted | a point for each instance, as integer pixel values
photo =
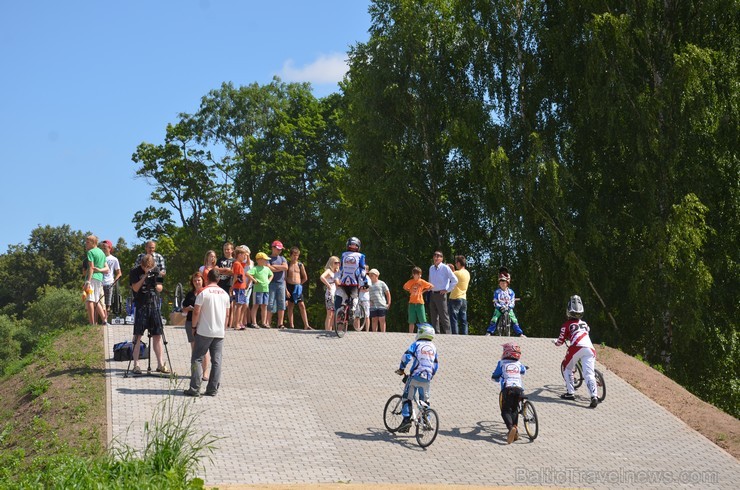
(53, 420)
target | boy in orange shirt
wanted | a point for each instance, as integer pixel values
(416, 287)
(239, 287)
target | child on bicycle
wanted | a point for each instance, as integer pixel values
(351, 274)
(416, 286)
(419, 363)
(508, 373)
(576, 332)
(503, 302)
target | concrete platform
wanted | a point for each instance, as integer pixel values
(306, 407)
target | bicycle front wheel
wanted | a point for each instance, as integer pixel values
(179, 298)
(340, 321)
(427, 428)
(577, 375)
(600, 385)
(529, 415)
(392, 416)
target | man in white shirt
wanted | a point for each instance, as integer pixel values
(444, 281)
(209, 326)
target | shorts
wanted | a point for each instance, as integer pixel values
(189, 331)
(277, 297)
(329, 300)
(378, 312)
(295, 298)
(97, 287)
(240, 296)
(261, 298)
(417, 313)
(148, 317)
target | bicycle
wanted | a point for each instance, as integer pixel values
(503, 324)
(344, 316)
(423, 417)
(578, 378)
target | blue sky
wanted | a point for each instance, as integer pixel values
(84, 82)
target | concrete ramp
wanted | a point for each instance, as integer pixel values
(306, 407)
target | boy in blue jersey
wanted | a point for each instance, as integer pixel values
(351, 274)
(420, 364)
(508, 373)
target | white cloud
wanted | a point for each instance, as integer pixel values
(325, 69)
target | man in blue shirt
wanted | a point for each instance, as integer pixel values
(444, 281)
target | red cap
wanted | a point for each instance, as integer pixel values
(277, 244)
(109, 243)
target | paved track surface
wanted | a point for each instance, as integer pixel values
(306, 407)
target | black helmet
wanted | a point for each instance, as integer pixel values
(575, 307)
(354, 244)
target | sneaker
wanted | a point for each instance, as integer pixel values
(513, 432)
(191, 392)
(568, 396)
(405, 425)
(594, 402)
(210, 393)
(136, 370)
(263, 325)
(163, 369)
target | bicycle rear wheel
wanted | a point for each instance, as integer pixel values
(360, 325)
(600, 385)
(427, 428)
(116, 301)
(529, 415)
(340, 321)
(392, 416)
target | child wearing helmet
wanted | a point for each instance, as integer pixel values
(508, 373)
(419, 363)
(351, 274)
(576, 331)
(504, 300)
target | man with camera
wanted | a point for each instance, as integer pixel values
(146, 283)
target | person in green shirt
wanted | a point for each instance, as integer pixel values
(97, 266)
(261, 275)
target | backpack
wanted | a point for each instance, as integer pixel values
(124, 351)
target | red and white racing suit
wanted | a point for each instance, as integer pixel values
(576, 332)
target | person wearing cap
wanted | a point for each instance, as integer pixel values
(380, 301)
(279, 266)
(261, 275)
(113, 274)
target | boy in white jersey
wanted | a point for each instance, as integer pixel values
(576, 331)
(419, 363)
(351, 274)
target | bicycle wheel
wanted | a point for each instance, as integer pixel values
(427, 428)
(116, 301)
(529, 415)
(179, 298)
(130, 306)
(600, 385)
(503, 325)
(340, 321)
(359, 326)
(577, 375)
(392, 416)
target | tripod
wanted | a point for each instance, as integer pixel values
(157, 314)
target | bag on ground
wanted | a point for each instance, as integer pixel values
(124, 351)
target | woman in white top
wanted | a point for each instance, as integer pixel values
(327, 277)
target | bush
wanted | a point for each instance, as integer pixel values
(11, 334)
(56, 308)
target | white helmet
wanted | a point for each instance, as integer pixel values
(424, 332)
(575, 307)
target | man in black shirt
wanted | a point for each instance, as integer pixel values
(223, 266)
(146, 283)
